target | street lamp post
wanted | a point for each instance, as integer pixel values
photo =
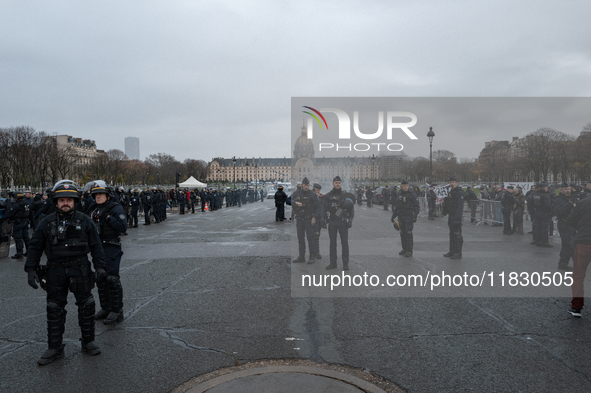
(256, 175)
(234, 165)
(373, 172)
(430, 135)
(246, 173)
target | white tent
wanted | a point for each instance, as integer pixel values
(192, 183)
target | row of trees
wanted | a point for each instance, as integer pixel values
(32, 158)
(29, 157)
(115, 168)
(541, 155)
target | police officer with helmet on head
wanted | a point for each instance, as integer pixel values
(542, 215)
(111, 222)
(406, 208)
(339, 207)
(66, 236)
(19, 214)
(453, 205)
(306, 209)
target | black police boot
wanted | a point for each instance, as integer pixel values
(452, 247)
(563, 265)
(403, 242)
(331, 266)
(104, 300)
(345, 265)
(299, 259)
(18, 255)
(116, 297)
(51, 354)
(409, 244)
(90, 348)
(459, 241)
(56, 322)
(86, 323)
(312, 259)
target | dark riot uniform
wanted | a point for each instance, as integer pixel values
(386, 196)
(303, 215)
(332, 202)
(110, 222)
(19, 214)
(135, 206)
(562, 207)
(508, 201)
(431, 201)
(406, 208)
(66, 240)
(454, 205)
(147, 204)
(280, 199)
(543, 213)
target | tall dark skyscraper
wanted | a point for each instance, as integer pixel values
(132, 148)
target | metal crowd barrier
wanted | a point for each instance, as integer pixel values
(479, 212)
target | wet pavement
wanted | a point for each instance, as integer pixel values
(212, 290)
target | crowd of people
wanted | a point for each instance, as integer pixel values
(571, 206)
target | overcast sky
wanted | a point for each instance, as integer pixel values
(198, 79)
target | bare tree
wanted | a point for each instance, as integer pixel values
(538, 147)
(115, 166)
(196, 168)
(163, 167)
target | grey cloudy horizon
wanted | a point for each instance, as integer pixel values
(200, 79)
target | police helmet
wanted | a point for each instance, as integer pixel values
(280, 188)
(100, 187)
(19, 195)
(348, 204)
(396, 225)
(65, 189)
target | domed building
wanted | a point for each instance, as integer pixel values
(353, 170)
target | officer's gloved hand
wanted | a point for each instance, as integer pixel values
(33, 279)
(101, 274)
(349, 223)
(414, 219)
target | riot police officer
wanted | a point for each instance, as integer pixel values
(146, 200)
(508, 201)
(406, 208)
(386, 197)
(454, 206)
(19, 214)
(543, 213)
(431, 200)
(563, 204)
(320, 224)
(47, 208)
(135, 206)
(280, 199)
(66, 236)
(306, 208)
(111, 222)
(339, 208)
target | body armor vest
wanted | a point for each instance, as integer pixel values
(66, 239)
(334, 201)
(537, 201)
(404, 201)
(307, 208)
(24, 210)
(99, 216)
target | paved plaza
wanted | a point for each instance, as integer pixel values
(211, 290)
